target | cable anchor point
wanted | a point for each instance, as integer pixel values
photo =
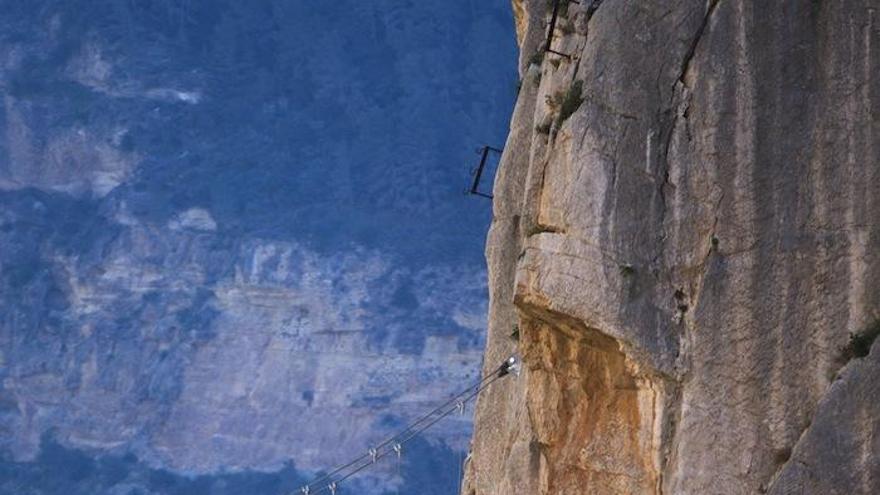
(511, 365)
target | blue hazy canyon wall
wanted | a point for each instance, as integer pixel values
(234, 246)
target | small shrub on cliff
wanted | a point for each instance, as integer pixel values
(543, 128)
(859, 344)
(566, 27)
(569, 101)
(563, 4)
(537, 58)
(563, 8)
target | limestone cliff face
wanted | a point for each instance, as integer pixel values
(686, 238)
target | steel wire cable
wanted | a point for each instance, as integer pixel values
(416, 427)
(412, 425)
(402, 442)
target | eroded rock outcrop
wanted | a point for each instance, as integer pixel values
(686, 236)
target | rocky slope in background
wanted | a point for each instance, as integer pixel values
(685, 251)
(233, 240)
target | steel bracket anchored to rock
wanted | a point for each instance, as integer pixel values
(548, 46)
(478, 172)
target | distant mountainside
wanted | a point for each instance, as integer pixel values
(233, 242)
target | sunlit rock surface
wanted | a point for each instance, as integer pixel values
(234, 248)
(686, 234)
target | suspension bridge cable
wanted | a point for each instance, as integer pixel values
(415, 428)
(374, 453)
(332, 486)
(412, 425)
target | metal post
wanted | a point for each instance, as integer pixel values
(478, 174)
(552, 29)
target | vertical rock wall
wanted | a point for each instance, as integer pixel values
(685, 241)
